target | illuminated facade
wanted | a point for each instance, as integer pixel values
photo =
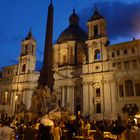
(92, 77)
(18, 81)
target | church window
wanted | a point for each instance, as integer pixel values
(126, 65)
(59, 103)
(64, 59)
(119, 65)
(80, 57)
(97, 54)
(95, 30)
(32, 49)
(98, 93)
(132, 50)
(137, 89)
(125, 51)
(23, 67)
(98, 108)
(134, 63)
(129, 88)
(121, 91)
(8, 72)
(113, 64)
(113, 54)
(118, 53)
(26, 49)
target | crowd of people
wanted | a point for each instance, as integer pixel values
(14, 129)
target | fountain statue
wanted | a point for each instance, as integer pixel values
(43, 101)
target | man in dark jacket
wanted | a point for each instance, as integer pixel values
(29, 132)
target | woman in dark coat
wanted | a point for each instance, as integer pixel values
(45, 132)
(29, 133)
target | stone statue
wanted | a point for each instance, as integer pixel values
(43, 100)
(21, 107)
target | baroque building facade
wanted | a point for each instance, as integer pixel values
(18, 81)
(92, 77)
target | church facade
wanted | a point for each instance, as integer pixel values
(91, 77)
(94, 78)
(18, 81)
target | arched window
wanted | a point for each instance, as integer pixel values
(125, 51)
(129, 91)
(23, 67)
(97, 54)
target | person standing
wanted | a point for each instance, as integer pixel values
(129, 133)
(138, 132)
(57, 132)
(29, 132)
(0, 131)
(99, 134)
(6, 132)
(45, 132)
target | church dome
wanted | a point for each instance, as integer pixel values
(74, 31)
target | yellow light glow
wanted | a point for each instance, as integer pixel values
(16, 97)
(137, 115)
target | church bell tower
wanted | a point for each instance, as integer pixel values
(97, 38)
(27, 59)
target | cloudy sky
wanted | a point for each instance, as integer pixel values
(16, 17)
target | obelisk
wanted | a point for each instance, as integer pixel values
(46, 73)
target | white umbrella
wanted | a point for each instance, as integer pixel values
(47, 122)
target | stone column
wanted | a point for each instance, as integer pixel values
(107, 100)
(85, 99)
(72, 99)
(24, 97)
(91, 111)
(103, 98)
(113, 93)
(12, 102)
(63, 97)
(68, 94)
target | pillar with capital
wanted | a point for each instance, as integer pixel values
(86, 98)
(13, 100)
(71, 98)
